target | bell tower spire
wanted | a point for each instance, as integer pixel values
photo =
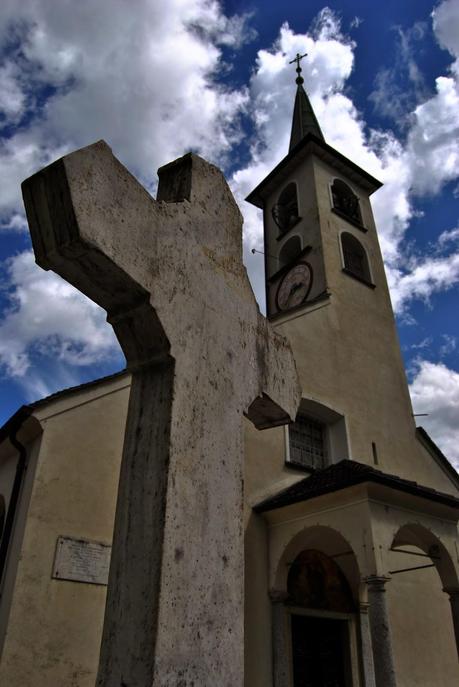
(304, 120)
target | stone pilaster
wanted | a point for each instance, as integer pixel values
(366, 650)
(381, 641)
(279, 638)
(453, 593)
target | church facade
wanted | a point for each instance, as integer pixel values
(350, 512)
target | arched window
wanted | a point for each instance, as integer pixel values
(289, 251)
(285, 212)
(355, 258)
(345, 202)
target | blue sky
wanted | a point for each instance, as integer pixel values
(157, 79)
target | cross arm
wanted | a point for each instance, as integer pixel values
(279, 387)
(79, 228)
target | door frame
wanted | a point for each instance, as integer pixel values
(351, 655)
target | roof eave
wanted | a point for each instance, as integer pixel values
(390, 482)
(309, 145)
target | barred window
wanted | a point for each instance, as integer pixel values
(307, 444)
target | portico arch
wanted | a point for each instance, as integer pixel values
(317, 596)
(330, 542)
(415, 534)
(419, 536)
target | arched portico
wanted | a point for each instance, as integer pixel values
(433, 553)
(354, 514)
(416, 534)
(317, 599)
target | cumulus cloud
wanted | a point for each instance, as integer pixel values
(447, 237)
(448, 346)
(425, 279)
(12, 97)
(40, 322)
(142, 79)
(401, 86)
(145, 81)
(435, 390)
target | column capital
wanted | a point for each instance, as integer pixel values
(364, 606)
(376, 583)
(278, 596)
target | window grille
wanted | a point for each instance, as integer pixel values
(307, 445)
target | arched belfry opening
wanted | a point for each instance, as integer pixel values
(285, 211)
(289, 251)
(345, 201)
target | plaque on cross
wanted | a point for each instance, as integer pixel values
(169, 273)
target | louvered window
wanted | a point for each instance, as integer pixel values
(307, 445)
(355, 258)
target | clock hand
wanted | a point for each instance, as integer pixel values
(295, 287)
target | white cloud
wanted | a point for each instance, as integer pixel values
(425, 343)
(449, 236)
(143, 80)
(448, 346)
(19, 157)
(446, 25)
(400, 86)
(41, 322)
(12, 97)
(435, 390)
(426, 278)
(355, 23)
(16, 222)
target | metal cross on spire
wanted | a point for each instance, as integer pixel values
(297, 59)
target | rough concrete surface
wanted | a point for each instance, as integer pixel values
(170, 275)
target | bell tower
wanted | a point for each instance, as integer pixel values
(326, 291)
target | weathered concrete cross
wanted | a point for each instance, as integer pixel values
(169, 274)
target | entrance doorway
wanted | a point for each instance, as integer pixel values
(321, 608)
(319, 651)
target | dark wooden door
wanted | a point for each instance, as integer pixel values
(319, 647)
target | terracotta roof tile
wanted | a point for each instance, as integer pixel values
(344, 474)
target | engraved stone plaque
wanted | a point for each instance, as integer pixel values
(80, 560)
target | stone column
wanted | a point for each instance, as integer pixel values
(368, 667)
(380, 632)
(453, 593)
(279, 639)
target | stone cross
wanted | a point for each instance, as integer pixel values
(169, 273)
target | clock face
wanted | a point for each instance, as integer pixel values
(295, 286)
